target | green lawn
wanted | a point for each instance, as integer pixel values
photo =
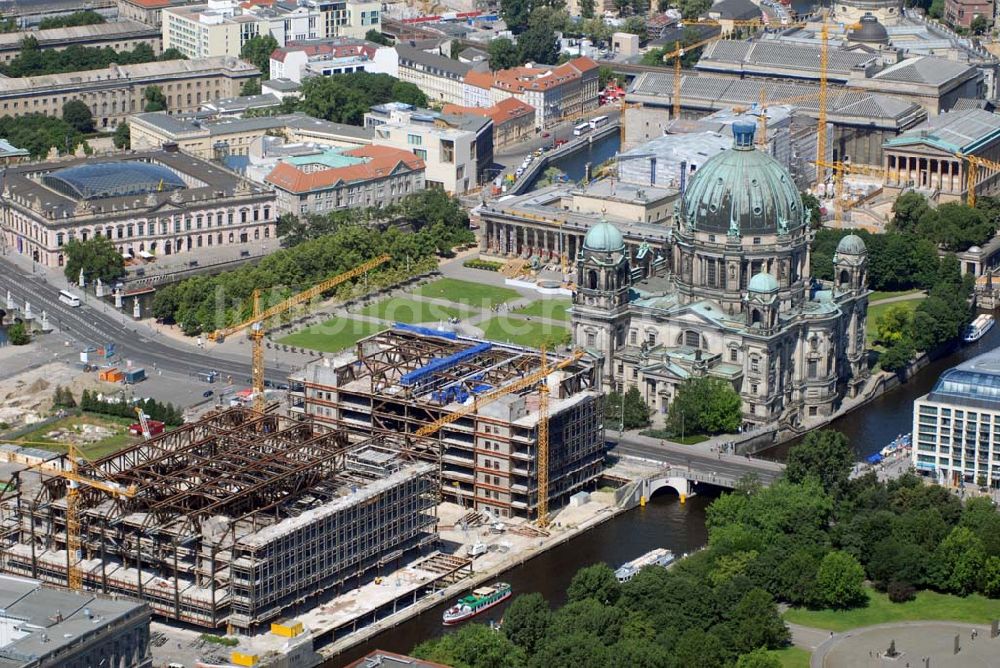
(92, 451)
(792, 657)
(524, 333)
(875, 312)
(927, 605)
(880, 294)
(401, 309)
(333, 335)
(553, 309)
(475, 295)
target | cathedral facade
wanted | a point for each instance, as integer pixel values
(729, 295)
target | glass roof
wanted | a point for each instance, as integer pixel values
(113, 179)
(965, 386)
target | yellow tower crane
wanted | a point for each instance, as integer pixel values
(481, 400)
(73, 478)
(972, 174)
(255, 324)
(824, 59)
(839, 169)
(543, 448)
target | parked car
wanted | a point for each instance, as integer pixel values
(207, 393)
(546, 135)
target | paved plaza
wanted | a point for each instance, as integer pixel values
(915, 643)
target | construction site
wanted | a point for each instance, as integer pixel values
(223, 522)
(507, 443)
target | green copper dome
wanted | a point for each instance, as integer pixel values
(763, 282)
(852, 244)
(743, 192)
(604, 237)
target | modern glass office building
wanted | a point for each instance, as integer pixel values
(956, 427)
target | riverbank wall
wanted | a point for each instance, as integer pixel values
(538, 166)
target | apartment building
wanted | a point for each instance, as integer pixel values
(441, 78)
(149, 12)
(158, 202)
(513, 120)
(555, 92)
(963, 12)
(956, 426)
(325, 57)
(222, 27)
(456, 149)
(216, 139)
(328, 180)
(117, 35)
(116, 93)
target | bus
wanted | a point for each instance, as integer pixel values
(582, 128)
(598, 122)
(68, 298)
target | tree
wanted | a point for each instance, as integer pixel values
(504, 54)
(636, 410)
(692, 9)
(991, 577)
(18, 335)
(907, 211)
(123, 136)
(705, 406)
(958, 563)
(250, 87)
(597, 582)
(698, 649)
(840, 581)
(77, 115)
(635, 25)
(346, 97)
(587, 9)
(97, 257)
(474, 645)
(759, 658)
(757, 623)
(538, 44)
(527, 621)
(377, 37)
(63, 398)
(893, 325)
(257, 51)
(515, 14)
(979, 24)
(936, 10)
(825, 455)
(81, 18)
(155, 99)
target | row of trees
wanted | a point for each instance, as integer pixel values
(165, 413)
(952, 227)
(702, 405)
(84, 17)
(39, 134)
(811, 539)
(346, 97)
(206, 303)
(33, 61)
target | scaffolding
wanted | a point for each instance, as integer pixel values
(402, 379)
(236, 518)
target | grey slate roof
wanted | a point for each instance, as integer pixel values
(770, 53)
(925, 70)
(723, 91)
(431, 62)
(740, 10)
(954, 132)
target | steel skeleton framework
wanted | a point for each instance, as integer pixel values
(189, 539)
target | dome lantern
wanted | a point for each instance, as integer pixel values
(743, 133)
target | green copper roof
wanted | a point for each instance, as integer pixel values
(852, 244)
(763, 282)
(604, 237)
(332, 159)
(954, 132)
(743, 192)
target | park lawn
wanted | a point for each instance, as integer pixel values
(401, 309)
(875, 312)
(927, 606)
(879, 295)
(552, 309)
(524, 333)
(333, 335)
(91, 451)
(792, 657)
(474, 295)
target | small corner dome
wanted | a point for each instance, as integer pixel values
(975, 249)
(763, 282)
(604, 238)
(852, 244)
(869, 31)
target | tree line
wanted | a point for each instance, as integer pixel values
(39, 134)
(91, 403)
(207, 303)
(813, 538)
(85, 17)
(33, 61)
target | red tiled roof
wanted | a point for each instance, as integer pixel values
(383, 160)
(331, 50)
(479, 79)
(520, 79)
(151, 4)
(503, 111)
